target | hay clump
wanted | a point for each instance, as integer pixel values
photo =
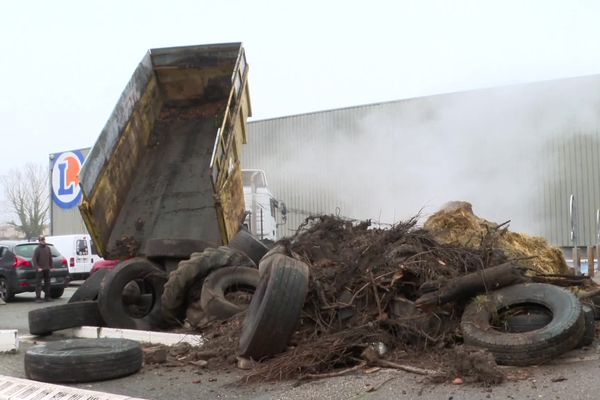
(456, 223)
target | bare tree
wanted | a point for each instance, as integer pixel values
(28, 197)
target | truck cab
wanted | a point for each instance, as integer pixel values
(260, 205)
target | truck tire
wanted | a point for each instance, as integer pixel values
(589, 333)
(192, 273)
(90, 288)
(114, 311)
(275, 308)
(212, 298)
(531, 318)
(563, 333)
(83, 360)
(44, 321)
(248, 244)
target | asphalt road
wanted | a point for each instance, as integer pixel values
(573, 376)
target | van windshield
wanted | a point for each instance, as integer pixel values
(26, 250)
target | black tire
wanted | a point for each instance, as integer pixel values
(6, 292)
(191, 273)
(527, 348)
(248, 244)
(56, 292)
(589, 332)
(114, 311)
(525, 319)
(275, 308)
(83, 360)
(44, 321)
(212, 298)
(594, 302)
(90, 288)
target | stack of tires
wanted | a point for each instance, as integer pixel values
(539, 323)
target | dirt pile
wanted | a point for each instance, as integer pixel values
(456, 224)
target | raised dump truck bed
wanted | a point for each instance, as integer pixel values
(164, 174)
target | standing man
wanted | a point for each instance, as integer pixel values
(42, 262)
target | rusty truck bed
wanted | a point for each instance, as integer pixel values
(166, 166)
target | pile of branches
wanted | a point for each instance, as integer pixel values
(364, 283)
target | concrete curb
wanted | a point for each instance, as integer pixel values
(93, 332)
(25, 389)
(9, 340)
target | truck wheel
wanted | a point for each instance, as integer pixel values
(248, 244)
(218, 283)
(83, 360)
(6, 293)
(90, 288)
(113, 309)
(563, 333)
(192, 273)
(275, 308)
(44, 321)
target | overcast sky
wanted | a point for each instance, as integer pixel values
(63, 64)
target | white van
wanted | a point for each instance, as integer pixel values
(80, 252)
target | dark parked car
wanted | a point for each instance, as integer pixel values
(17, 274)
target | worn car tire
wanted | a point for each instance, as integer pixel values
(83, 360)
(90, 288)
(71, 315)
(113, 309)
(212, 298)
(533, 317)
(563, 333)
(589, 332)
(248, 244)
(192, 273)
(275, 308)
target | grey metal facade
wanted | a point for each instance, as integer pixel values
(516, 153)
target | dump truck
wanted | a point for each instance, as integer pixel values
(163, 179)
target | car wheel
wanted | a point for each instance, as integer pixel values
(83, 360)
(5, 293)
(55, 293)
(561, 334)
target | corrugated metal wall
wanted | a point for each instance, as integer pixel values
(516, 153)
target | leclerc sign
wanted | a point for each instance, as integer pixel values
(66, 192)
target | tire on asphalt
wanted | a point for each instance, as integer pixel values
(44, 321)
(90, 288)
(248, 244)
(191, 273)
(218, 283)
(589, 332)
(115, 312)
(563, 333)
(83, 360)
(274, 311)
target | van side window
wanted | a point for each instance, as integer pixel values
(82, 247)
